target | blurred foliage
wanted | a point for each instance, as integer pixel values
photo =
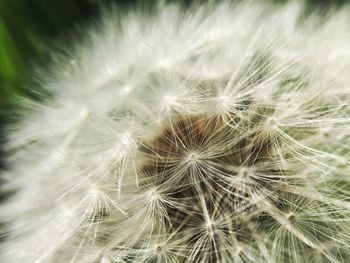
(26, 28)
(318, 6)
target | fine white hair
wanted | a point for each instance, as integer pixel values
(216, 133)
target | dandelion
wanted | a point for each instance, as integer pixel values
(214, 134)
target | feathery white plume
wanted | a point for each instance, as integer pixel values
(216, 134)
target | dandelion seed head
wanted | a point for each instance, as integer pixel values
(213, 134)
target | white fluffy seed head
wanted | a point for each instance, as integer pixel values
(216, 134)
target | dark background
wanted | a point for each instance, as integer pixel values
(30, 29)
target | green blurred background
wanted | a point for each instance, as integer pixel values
(30, 28)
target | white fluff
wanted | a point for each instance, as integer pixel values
(82, 195)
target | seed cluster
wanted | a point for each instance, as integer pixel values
(213, 172)
(216, 133)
